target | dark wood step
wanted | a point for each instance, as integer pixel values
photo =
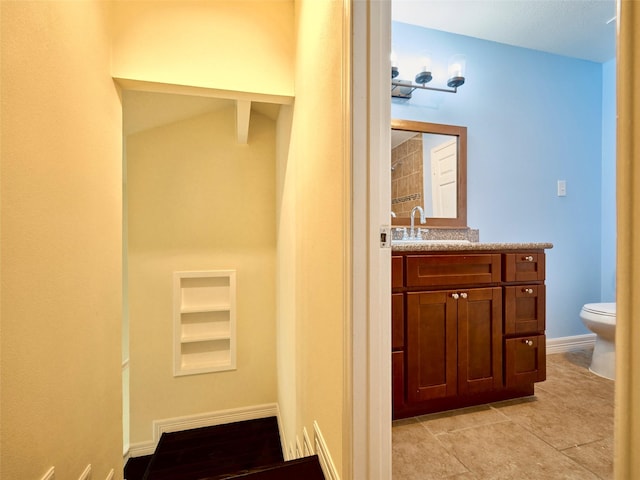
(208, 452)
(136, 467)
(307, 468)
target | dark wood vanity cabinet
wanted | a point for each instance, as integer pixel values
(467, 328)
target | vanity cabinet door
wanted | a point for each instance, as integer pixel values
(396, 272)
(525, 360)
(431, 345)
(397, 321)
(524, 267)
(397, 376)
(524, 309)
(479, 340)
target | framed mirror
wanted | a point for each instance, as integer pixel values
(429, 169)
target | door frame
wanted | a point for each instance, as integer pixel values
(370, 371)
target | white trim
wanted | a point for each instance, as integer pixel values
(569, 344)
(371, 196)
(147, 86)
(299, 450)
(208, 419)
(326, 462)
(307, 446)
(140, 449)
(86, 474)
(50, 475)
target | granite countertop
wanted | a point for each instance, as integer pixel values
(471, 246)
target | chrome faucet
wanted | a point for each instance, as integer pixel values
(423, 219)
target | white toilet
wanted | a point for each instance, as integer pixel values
(600, 318)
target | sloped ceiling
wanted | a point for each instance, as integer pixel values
(145, 110)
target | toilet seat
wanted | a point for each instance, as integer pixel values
(604, 313)
(605, 309)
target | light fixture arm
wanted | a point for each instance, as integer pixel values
(413, 86)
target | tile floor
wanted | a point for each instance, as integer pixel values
(563, 432)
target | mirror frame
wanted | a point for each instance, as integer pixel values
(460, 221)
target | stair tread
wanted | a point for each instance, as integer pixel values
(209, 451)
(306, 467)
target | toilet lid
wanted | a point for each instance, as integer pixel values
(607, 309)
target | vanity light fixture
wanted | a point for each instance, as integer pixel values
(404, 88)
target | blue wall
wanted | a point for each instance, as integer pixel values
(609, 181)
(533, 118)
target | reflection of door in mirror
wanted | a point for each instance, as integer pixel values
(442, 158)
(428, 169)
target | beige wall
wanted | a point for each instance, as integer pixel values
(197, 200)
(317, 154)
(286, 291)
(244, 46)
(61, 242)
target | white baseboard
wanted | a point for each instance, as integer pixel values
(307, 446)
(50, 475)
(569, 344)
(86, 474)
(207, 419)
(326, 462)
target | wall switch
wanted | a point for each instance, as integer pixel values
(562, 188)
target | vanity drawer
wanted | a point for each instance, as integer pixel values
(397, 321)
(525, 360)
(524, 267)
(396, 272)
(524, 309)
(453, 270)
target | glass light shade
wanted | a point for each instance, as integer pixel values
(457, 67)
(424, 74)
(394, 58)
(394, 64)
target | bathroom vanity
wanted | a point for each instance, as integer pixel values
(468, 324)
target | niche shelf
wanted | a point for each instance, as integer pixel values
(204, 311)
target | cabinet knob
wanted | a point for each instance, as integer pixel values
(528, 290)
(528, 258)
(463, 295)
(528, 343)
(455, 296)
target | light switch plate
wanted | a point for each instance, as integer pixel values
(562, 188)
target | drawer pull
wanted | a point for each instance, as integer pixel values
(455, 296)
(528, 343)
(528, 290)
(463, 295)
(528, 258)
